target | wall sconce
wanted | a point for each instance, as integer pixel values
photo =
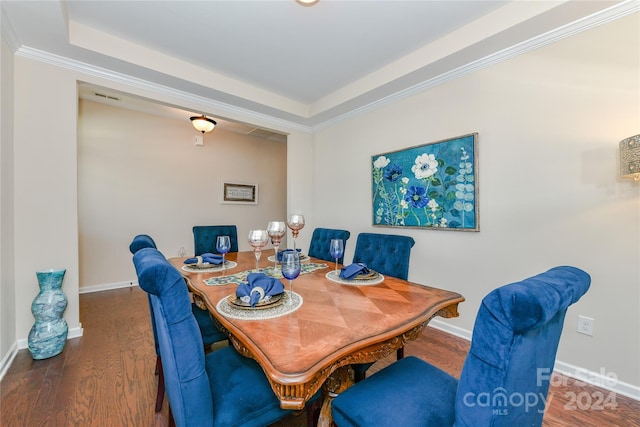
(630, 157)
(203, 123)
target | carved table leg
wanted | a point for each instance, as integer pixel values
(338, 382)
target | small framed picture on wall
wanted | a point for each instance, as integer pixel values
(239, 193)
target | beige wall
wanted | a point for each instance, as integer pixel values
(549, 123)
(141, 173)
(45, 185)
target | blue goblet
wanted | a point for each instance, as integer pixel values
(290, 269)
(336, 249)
(223, 245)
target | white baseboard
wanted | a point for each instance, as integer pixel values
(23, 343)
(450, 329)
(7, 360)
(72, 333)
(107, 287)
(599, 379)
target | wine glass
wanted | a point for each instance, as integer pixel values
(290, 269)
(295, 223)
(223, 245)
(258, 239)
(276, 230)
(336, 248)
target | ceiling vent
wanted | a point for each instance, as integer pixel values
(102, 95)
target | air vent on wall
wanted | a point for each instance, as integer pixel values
(102, 95)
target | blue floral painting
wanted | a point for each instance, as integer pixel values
(429, 186)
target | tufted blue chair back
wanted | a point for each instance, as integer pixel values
(180, 343)
(320, 239)
(513, 350)
(385, 253)
(205, 236)
(141, 241)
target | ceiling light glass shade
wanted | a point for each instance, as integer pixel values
(307, 2)
(630, 157)
(203, 124)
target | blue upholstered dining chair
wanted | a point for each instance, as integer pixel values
(142, 241)
(205, 237)
(506, 375)
(222, 388)
(389, 255)
(320, 239)
(208, 330)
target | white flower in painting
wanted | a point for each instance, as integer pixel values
(425, 166)
(404, 204)
(403, 191)
(405, 180)
(381, 162)
(433, 205)
(443, 222)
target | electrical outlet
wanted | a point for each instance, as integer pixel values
(585, 325)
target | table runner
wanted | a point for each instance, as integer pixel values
(241, 277)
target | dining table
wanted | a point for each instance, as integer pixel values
(307, 341)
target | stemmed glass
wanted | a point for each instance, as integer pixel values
(295, 223)
(276, 230)
(223, 245)
(258, 239)
(336, 248)
(290, 269)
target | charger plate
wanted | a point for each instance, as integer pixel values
(266, 302)
(372, 278)
(283, 308)
(208, 268)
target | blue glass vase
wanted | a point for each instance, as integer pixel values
(49, 334)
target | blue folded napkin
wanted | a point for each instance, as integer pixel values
(205, 258)
(260, 285)
(286, 250)
(353, 270)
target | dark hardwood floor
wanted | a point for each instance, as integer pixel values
(106, 377)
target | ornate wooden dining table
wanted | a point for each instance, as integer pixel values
(336, 325)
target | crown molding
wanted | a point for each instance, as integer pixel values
(251, 116)
(607, 15)
(185, 98)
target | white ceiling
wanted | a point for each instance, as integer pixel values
(291, 65)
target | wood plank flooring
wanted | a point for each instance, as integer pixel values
(106, 377)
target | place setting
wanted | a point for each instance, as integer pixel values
(262, 296)
(209, 262)
(357, 274)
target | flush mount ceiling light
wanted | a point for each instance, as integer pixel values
(307, 2)
(203, 123)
